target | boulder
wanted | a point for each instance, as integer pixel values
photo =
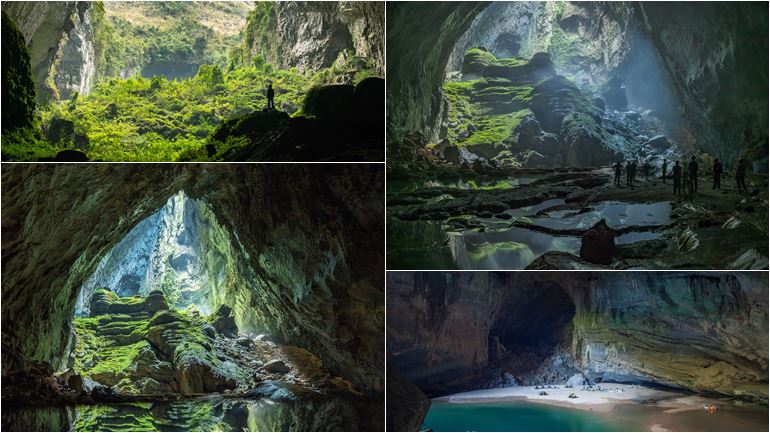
(155, 301)
(598, 244)
(70, 155)
(576, 380)
(60, 131)
(369, 97)
(277, 390)
(244, 341)
(335, 103)
(146, 364)
(196, 373)
(658, 142)
(276, 366)
(101, 299)
(223, 321)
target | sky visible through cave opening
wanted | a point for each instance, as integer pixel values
(163, 252)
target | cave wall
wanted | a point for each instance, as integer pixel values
(311, 35)
(704, 332)
(709, 57)
(60, 38)
(420, 39)
(303, 237)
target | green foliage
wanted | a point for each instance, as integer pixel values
(495, 129)
(26, 144)
(139, 119)
(258, 38)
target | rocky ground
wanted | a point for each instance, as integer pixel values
(137, 349)
(712, 229)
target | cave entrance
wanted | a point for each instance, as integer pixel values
(167, 251)
(531, 335)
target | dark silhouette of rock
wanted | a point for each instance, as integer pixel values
(223, 321)
(18, 87)
(614, 93)
(70, 155)
(598, 244)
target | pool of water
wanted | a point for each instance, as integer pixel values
(436, 245)
(205, 414)
(526, 416)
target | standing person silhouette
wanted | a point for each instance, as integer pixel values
(692, 170)
(629, 173)
(618, 167)
(270, 97)
(663, 170)
(717, 175)
(677, 175)
(740, 175)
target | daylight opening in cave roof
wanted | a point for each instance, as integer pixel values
(163, 252)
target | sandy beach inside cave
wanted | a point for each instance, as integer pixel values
(611, 395)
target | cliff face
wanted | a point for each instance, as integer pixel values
(60, 38)
(300, 240)
(18, 87)
(311, 35)
(703, 332)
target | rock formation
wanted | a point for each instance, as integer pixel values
(311, 36)
(60, 38)
(18, 87)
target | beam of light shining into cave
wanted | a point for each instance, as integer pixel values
(163, 252)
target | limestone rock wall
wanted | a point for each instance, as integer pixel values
(302, 239)
(311, 35)
(60, 38)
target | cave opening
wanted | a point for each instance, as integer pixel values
(531, 335)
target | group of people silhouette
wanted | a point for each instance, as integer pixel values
(683, 177)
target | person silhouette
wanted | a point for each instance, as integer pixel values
(740, 175)
(629, 173)
(693, 172)
(677, 176)
(270, 97)
(618, 167)
(717, 175)
(663, 170)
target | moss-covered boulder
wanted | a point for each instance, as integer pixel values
(17, 86)
(101, 300)
(556, 97)
(476, 61)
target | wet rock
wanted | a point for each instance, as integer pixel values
(277, 390)
(146, 364)
(751, 259)
(209, 330)
(688, 240)
(244, 341)
(276, 366)
(598, 244)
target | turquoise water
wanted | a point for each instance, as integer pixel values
(514, 416)
(525, 416)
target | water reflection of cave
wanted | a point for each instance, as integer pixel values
(531, 326)
(167, 251)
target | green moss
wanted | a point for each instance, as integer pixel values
(26, 144)
(495, 129)
(475, 60)
(478, 253)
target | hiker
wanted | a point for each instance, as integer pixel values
(618, 167)
(646, 170)
(677, 175)
(717, 175)
(740, 175)
(629, 173)
(663, 170)
(692, 170)
(270, 97)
